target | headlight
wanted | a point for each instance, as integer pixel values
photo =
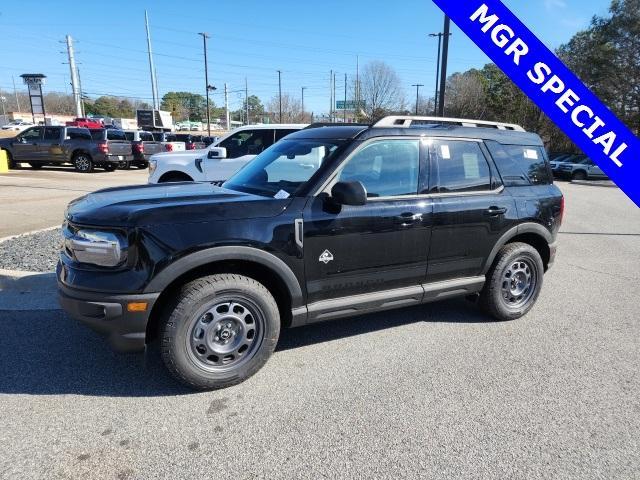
(152, 165)
(106, 249)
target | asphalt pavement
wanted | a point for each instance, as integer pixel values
(436, 391)
(35, 199)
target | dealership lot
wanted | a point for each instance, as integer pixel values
(433, 391)
(36, 199)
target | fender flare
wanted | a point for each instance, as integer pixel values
(215, 254)
(528, 227)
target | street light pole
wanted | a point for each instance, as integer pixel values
(443, 70)
(206, 78)
(303, 89)
(435, 97)
(417, 85)
(280, 94)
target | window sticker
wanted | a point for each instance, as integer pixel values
(444, 150)
(281, 195)
(471, 167)
(530, 154)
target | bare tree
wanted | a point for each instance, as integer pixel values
(466, 97)
(381, 91)
(291, 108)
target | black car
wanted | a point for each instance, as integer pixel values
(327, 223)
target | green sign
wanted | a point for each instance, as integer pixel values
(348, 105)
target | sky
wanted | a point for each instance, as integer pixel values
(249, 39)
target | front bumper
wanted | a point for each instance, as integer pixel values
(107, 314)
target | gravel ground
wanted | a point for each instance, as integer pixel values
(37, 252)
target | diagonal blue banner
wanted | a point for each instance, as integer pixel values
(552, 86)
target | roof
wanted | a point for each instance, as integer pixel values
(507, 137)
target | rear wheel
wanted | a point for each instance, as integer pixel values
(513, 283)
(123, 165)
(110, 167)
(221, 330)
(579, 175)
(83, 163)
(142, 165)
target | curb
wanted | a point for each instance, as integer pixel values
(25, 291)
(595, 183)
(32, 232)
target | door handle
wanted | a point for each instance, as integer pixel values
(495, 211)
(408, 218)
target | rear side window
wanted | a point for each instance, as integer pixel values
(51, 133)
(158, 137)
(283, 132)
(459, 166)
(130, 136)
(146, 137)
(520, 164)
(77, 134)
(97, 134)
(115, 135)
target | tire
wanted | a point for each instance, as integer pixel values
(110, 167)
(579, 175)
(142, 165)
(513, 283)
(83, 163)
(12, 165)
(175, 177)
(123, 165)
(35, 166)
(220, 331)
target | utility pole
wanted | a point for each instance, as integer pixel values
(344, 112)
(74, 76)
(152, 70)
(330, 96)
(280, 94)
(357, 106)
(226, 105)
(417, 85)
(246, 100)
(205, 35)
(303, 89)
(335, 99)
(443, 70)
(80, 90)
(435, 97)
(15, 92)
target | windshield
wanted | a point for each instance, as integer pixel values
(283, 168)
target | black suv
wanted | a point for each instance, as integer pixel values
(328, 223)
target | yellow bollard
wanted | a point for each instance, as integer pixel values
(4, 161)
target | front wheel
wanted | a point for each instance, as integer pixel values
(579, 175)
(513, 283)
(83, 163)
(221, 330)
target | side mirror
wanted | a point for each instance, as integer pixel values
(349, 193)
(217, 153)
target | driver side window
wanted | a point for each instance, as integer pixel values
(248, 142)
(386, 168)
(31, 135)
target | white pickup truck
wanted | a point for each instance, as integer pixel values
(219, 160)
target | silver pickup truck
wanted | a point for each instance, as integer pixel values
(143, 145)
(112, 146)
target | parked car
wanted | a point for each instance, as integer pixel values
(17, 125)
(143, 146)
(54, 145)
(221, 159)
(585, 169)
(327, 223)
(209, 140)
(191, 142)
(565, 158)
(85, 123)
(169, 142)
(113, 146)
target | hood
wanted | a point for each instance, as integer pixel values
(174, 203)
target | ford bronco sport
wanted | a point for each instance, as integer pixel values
(328, 223)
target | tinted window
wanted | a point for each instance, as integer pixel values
(75, 133)
(32, 134)
(281, 133)
(158, 137)
(51, 133)
(97, 134)
(146, 136)
(459, 166)
(520, 164)
(115, 135)
(247, 142)
(130, 136)
(386, 168)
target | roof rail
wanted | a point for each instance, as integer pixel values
(408, 120)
